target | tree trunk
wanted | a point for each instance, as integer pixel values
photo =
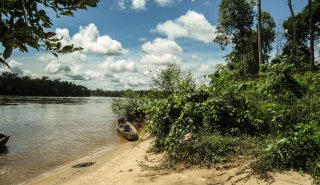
(259, 33)
(295, 49)
(311, 30)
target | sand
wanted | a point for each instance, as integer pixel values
(124, 165)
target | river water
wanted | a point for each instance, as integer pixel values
(47, 132)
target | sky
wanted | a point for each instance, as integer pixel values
(126, 42)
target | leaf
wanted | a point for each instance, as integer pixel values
(67, 49)
(50, 34)
(55, 54)
(77, 49)
(58, 45)
(4, 63)
(7, 52)
(67, 13)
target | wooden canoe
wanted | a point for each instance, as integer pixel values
(3, 139)
(128, 131)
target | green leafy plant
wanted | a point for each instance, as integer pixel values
(298, 150)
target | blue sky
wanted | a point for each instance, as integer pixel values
(127, 41)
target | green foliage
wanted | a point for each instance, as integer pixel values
(234, 115)
(205, 150)
(281, 82)
(24, 24)
(168, 79)
(236, 20)
(130, 108)
(234, 28)
(298, 150)
(298, 47)
(302, 26)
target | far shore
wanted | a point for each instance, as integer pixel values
(123, 165)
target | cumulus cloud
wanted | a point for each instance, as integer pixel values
(191, 25)
(90, 40)
(71, 65)
(161, 59)
(135, 83)
(119, 66)
(16, 68)
(139, 4)
(161, 52)
(55, 67)
(161, 46)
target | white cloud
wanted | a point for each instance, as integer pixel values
(121, 4)
(53, 67)
(135, 83)
(191, 25)
(71, 65)
(161, 59)
(142, 39)
(161, 52)
(16, 68)
(161, 46)
(142, 4)
(119, 66)
(166, 2)
(196, 58)
(139, 4)
(90, 40)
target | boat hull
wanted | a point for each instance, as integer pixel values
(3, 139)
(132, 135)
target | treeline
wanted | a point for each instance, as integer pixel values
(12, 84)
(120, 93)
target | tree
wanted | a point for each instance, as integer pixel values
(167, 79)
(259, 33)
(311, 30)
(26, 23)
(268, 35)
(294, 28)
(299, 37)
(235, 22)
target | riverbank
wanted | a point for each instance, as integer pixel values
(124, 165)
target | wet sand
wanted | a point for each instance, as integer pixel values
(124, 165)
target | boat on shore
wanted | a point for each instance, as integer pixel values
(3, 139)
(127, 130)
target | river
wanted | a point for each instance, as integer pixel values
(47, 132)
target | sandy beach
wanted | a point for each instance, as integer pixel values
(124, 165)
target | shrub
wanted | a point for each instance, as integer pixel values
(282, 83)
(299, 150)
(207, 149)
(130, 108)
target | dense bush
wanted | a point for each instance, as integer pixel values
(204, 149)
(298, 150)
(221, 114)
(130, 108)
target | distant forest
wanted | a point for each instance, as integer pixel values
(121, 93)
(13, 84)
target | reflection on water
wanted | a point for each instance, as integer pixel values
(48, 132)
